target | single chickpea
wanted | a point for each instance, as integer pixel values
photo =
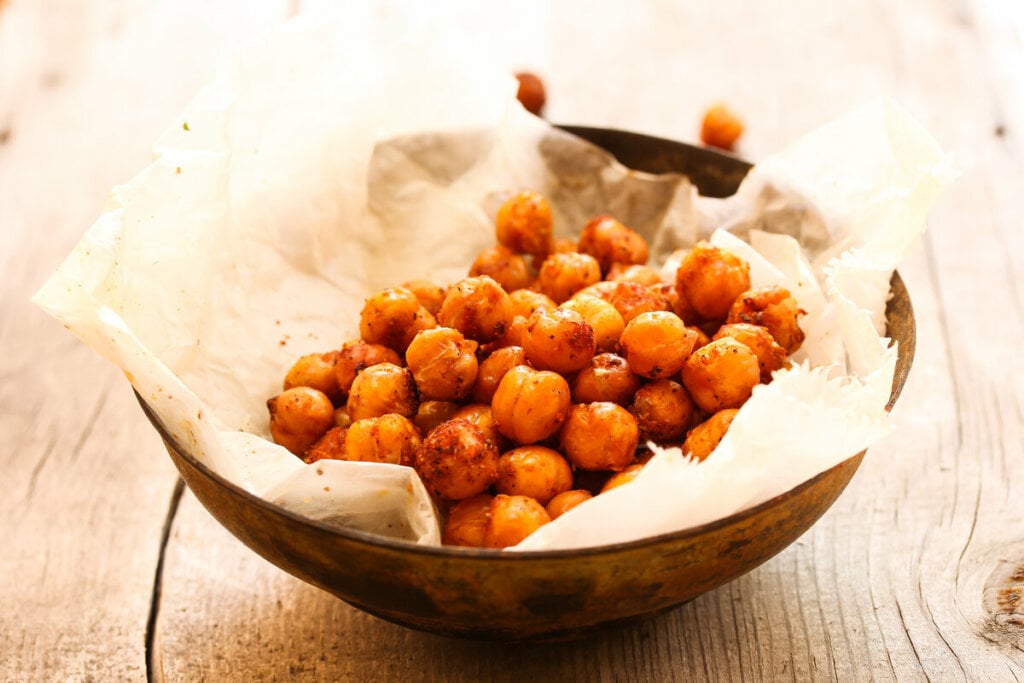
(388, 438)
(443, 363)
(356, 356)
(631, 299)
(512, 519)
(602, 317)
(392, 318)
(530, 405)
(535, 471)
(301, 415)
(770, 356)
(457, 461)
(478, 308)
(531, 93)
(314, 370)
(467, 521)
(710, 279)
(381, 389)
(644, 275)
(432, 413)
(330, 446)
(600, 436)
(721, 375)
(562, 275)
(558, 339)
(564, 245)
(773, 308)
(609, 241)
(656, 344)
(566, 501)
(504, 266)
(524, 224)
(526, 301)
(483, 417)
(624, 477)
(429, 294)
(601, 290)
(663, 410)
(606, 379)
(704, 438)
(720, 127)
(493, 368)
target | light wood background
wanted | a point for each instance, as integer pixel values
(917, 573)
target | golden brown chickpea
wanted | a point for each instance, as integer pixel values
(530, 405)
(602, 290)
(535, 471)
(606, 379)
(504, 266)
(631, 299)
(770, 356)
(392, 318)
(609, 241)
(562, 275)
(648, 277)
(388, 438)
(602, 317)
(624, 477)
(429, 294)
(314, 370)
(432, 413)
(467, 521)
(566, 501)
(478, 308)
(330, 446)
(356, 356)
(526, 301)
(301, 415)
(558, 339)
(773, 308)
(721, 374)
(663, 410)
(656, 344)
(600, 436)
(524, 224)
(710, 279)
(483, 417)
(512, 519)
(563, 245)
(720, 127)
(704, 438)
(457, 461)
(531, 92)
(381, 389)
(493, 368)
(443, 363)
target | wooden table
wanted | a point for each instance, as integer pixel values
(110, 573)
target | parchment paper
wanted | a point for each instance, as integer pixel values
(324, 164)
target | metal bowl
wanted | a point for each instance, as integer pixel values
(549, 595)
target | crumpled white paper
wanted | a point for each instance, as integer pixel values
(324, 164)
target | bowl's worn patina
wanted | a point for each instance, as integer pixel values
(489, 594)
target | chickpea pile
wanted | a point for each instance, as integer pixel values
(535, 383)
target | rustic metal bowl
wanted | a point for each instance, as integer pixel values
(560, 594)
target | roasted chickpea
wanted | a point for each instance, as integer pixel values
(531, 92)
(770, 356)
(624, 272)
(356, 356)
(710, 279)
(562, 275)
(512, 519)
(493, 368)
(663, 410)
(392, 318)
(609, 241)
(432, 413)
(704, 438)
(624, 477)
(631, 299)
(457, 461)
(330, 446)
(483, 417)
(388, 438)
(314, 370)
(566, 501)
(607, 378)
(600, 436)
(526, 301)
(524, 224)
(558, 339)
(478, 308)
(563, 245)
(656, 344)
(429, 294)
(602, 290)
(720, 127)
(721, 374)
(530, 405)
(602, 317)
(773, 308)
(381, 389)
(443, 363)
(535, 471)
(301, 415)
(467, 521)
(504, 266)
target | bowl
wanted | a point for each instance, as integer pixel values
(546, 595)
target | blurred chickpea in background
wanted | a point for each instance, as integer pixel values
(610, 242)
(524, 224)
(531, 92)
(504, 266)
(720, 127)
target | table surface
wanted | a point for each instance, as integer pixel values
(111, 572)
